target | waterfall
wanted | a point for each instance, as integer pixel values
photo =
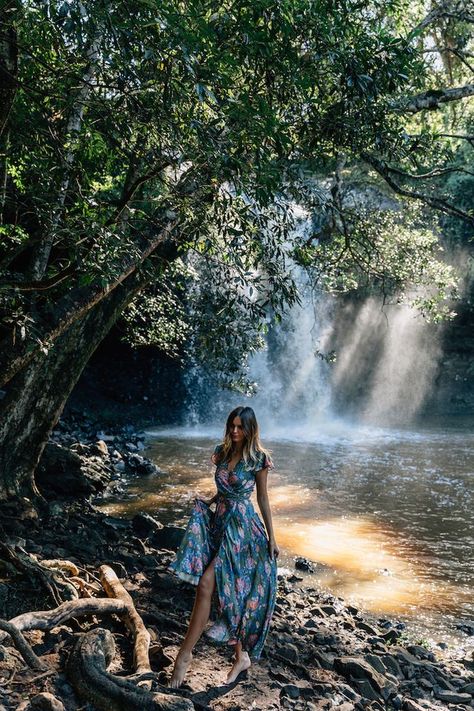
(384, 368)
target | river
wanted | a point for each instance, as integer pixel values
(387, 515)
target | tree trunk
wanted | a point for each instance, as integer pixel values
(36, 396)
(8, 59)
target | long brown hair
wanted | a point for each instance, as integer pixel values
(252, 446)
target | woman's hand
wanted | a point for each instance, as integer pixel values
(208, 502)
(273, 548)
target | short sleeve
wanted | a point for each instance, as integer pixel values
(217, 451)
(264, 462)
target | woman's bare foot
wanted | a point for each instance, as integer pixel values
(181, 665)
(241, 664)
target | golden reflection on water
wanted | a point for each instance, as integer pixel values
(360, 561)
(362, 564)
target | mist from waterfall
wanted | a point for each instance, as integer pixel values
(385, 365)
(387, 362)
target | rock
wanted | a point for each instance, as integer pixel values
(289, 651)
(290, 690)
(420, 652)
(467, 627)
(347, 691)
(356, 669)
(100, 447)
(361, 625)
(404, 657)
(468, 688)
(391, 636)
(325, 661)
(119, 466)
(144, 525)
(392, 665)
(131, 447)
(376, 663)
(141, 465)
(325, 640)
(410, 705)
(62, 472)
(304, 564)
(46, 702)
(366, 689)
(397, 702)
(168, 537)
(329, 609)
(453, 697)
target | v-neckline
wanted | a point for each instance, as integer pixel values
(231, 471)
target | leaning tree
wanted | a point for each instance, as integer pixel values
(132, 135)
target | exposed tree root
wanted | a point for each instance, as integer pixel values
(22, 645)
(114, 588)
(47, 619)
(86, 670)
(50, 577)
(87, 665)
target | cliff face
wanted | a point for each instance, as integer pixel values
(453, 390)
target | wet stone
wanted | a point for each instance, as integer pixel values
(304, 564)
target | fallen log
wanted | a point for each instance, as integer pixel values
(87, 671)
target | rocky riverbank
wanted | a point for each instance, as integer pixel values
(320, 653)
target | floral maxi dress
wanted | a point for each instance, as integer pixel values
(245, 573)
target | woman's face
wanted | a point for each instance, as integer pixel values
(236, 431)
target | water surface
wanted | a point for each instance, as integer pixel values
(387, 515)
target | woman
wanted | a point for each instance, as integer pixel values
(229, 552)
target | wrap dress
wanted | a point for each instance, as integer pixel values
(246, 575)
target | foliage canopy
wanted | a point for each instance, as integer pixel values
(174, 139)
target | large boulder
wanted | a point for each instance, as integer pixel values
(62, 472)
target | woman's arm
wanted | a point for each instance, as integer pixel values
(264, 506)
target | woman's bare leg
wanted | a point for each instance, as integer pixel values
(242, 662)
(197, 623)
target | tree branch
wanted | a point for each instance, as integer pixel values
(14, 356)
(444, 12)
(438, 203)
(431, 99)
(435, 173)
